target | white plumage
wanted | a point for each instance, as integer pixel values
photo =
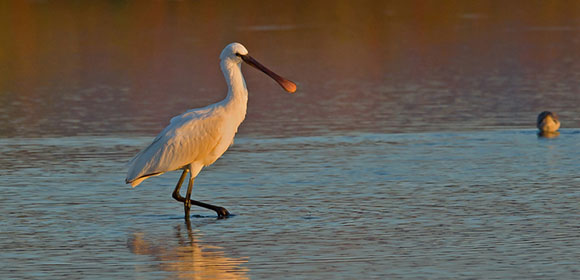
(198, 137)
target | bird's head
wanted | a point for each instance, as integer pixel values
(233, 52)
(236, 53)
(548, 121)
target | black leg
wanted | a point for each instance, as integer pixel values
(221, 212)
(187, 201)
(176, 194)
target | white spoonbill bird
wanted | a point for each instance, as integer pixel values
(198, 137)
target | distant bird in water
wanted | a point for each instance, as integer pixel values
(198, 137)
(548, 124)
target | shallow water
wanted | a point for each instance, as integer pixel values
(409, 150)
(483, 204)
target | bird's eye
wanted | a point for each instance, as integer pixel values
(238, 54)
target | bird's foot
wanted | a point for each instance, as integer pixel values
(222, 212)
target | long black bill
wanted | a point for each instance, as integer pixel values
(288, 85)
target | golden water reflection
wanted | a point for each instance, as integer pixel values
(108, 67)
(190, 258)
(544, 134)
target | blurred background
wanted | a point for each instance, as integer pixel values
(115, 67)
(408, 151)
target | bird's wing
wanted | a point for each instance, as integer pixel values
(189, 137)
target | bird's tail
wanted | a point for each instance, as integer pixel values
(135, 182)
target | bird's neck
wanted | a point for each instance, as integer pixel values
(237, 91)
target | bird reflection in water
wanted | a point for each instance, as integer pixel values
(543, 134)
(189, 258)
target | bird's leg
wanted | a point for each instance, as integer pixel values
(187, 202)
(221, 212)
(176, 194)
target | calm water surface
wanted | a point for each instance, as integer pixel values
(409, 150)
(482, 204)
